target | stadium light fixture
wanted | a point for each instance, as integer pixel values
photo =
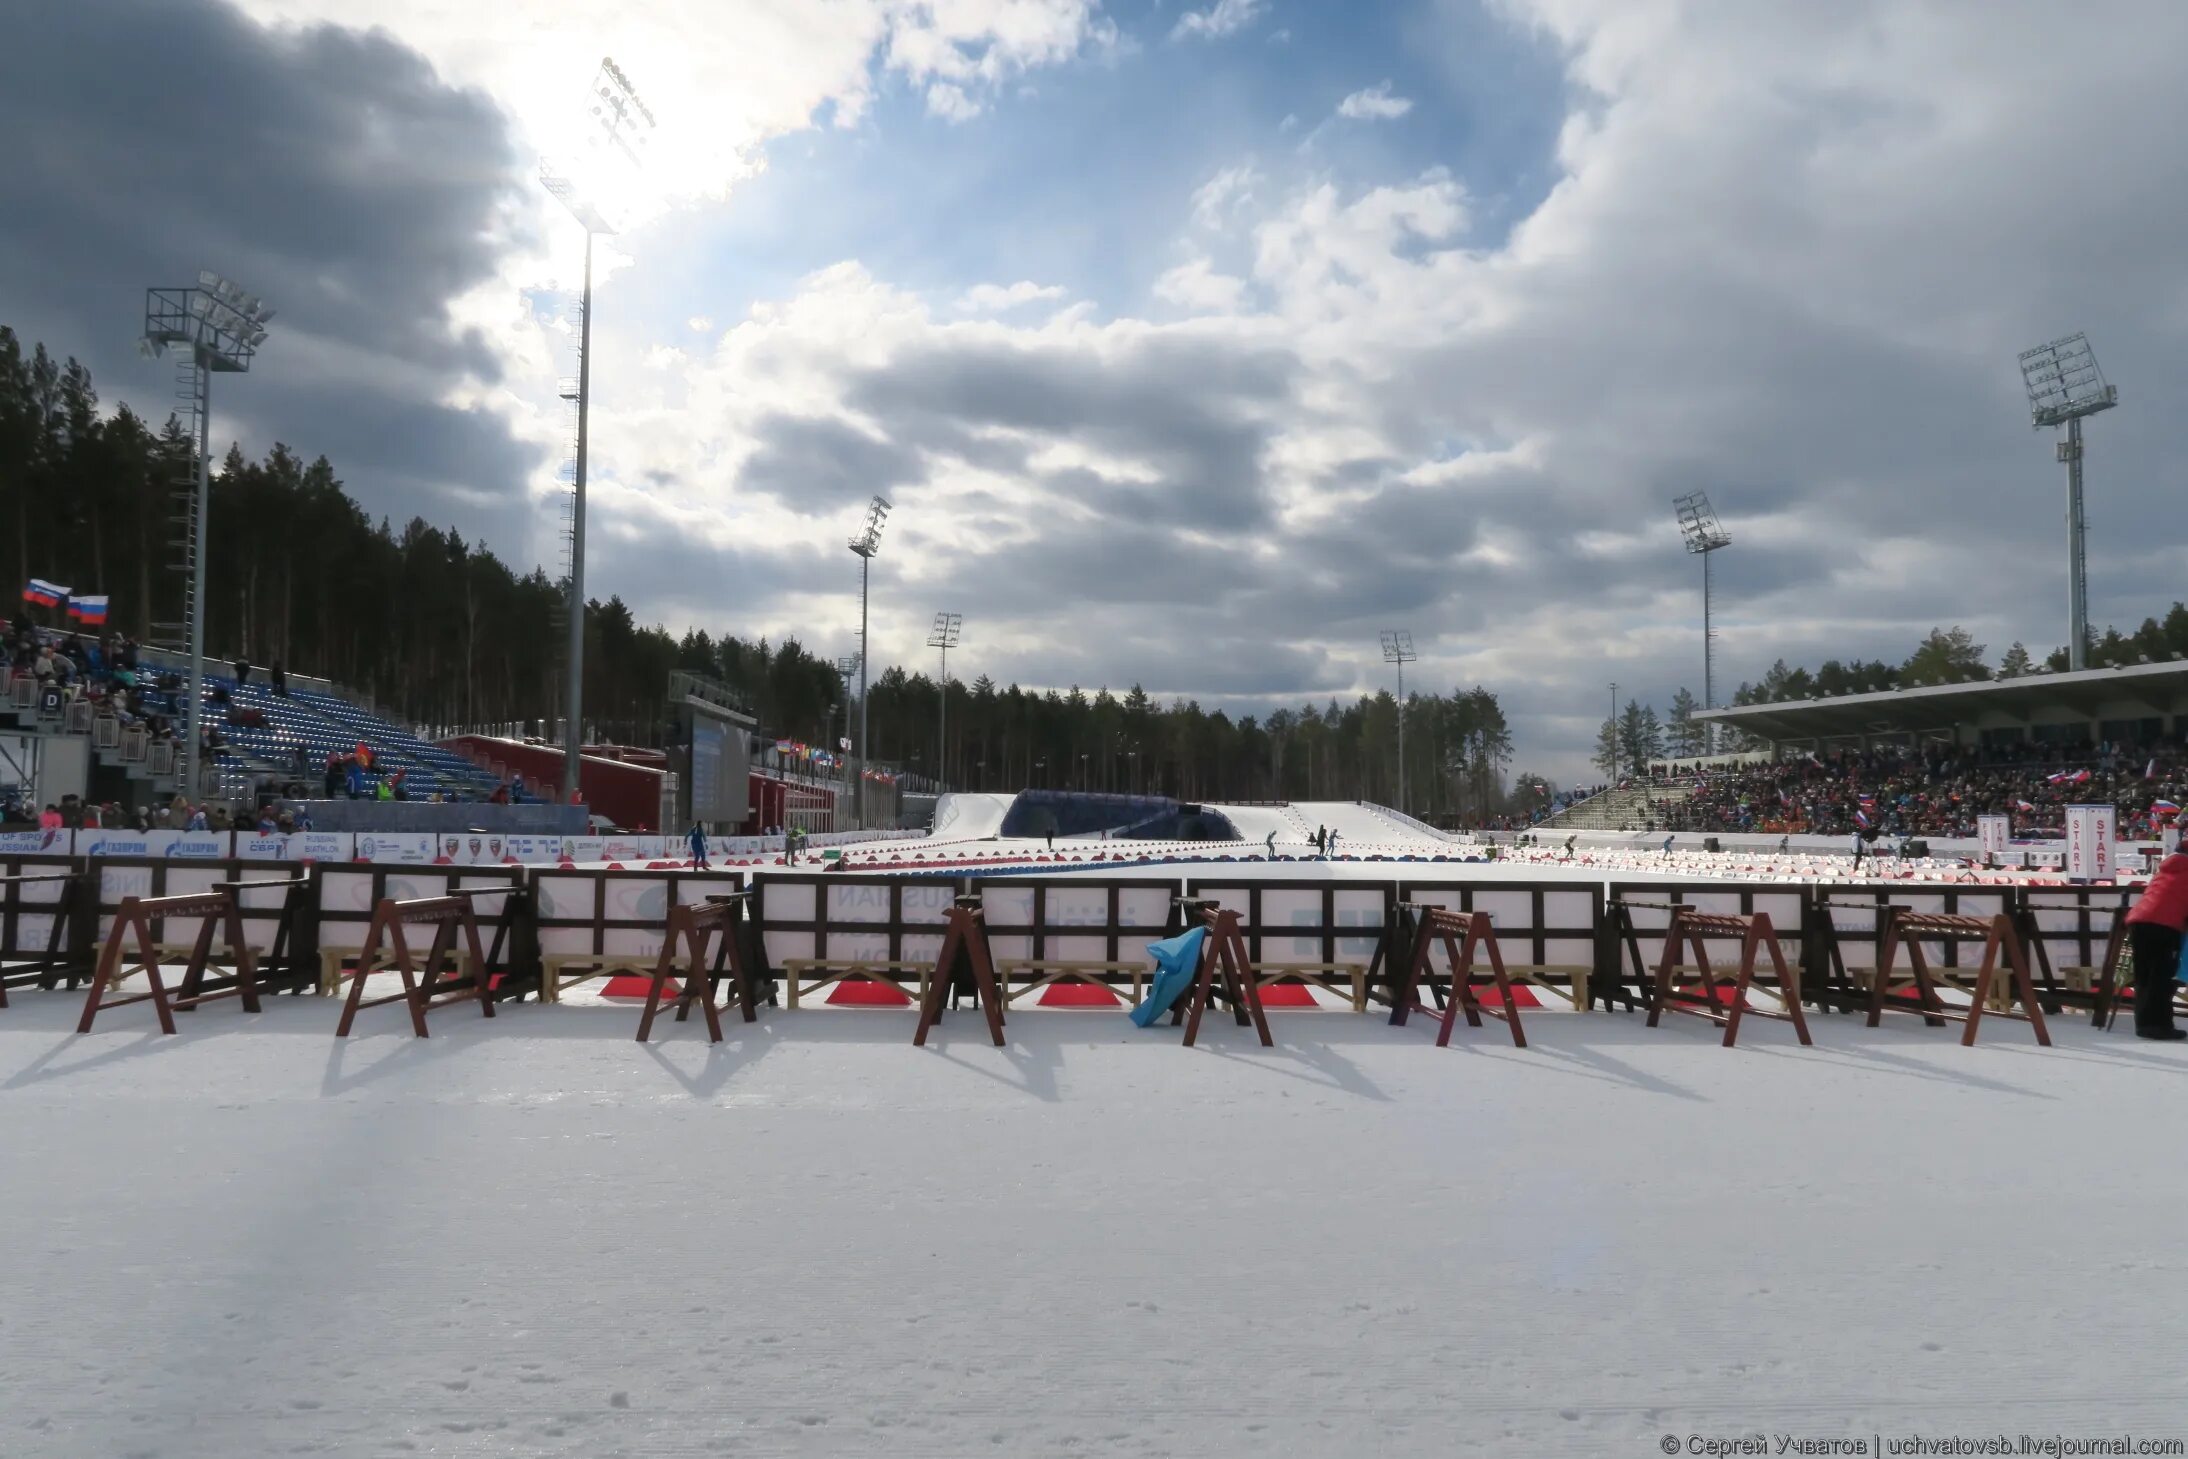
(1398, 649)
(213, 327)
(1704, 535)
(947, 627)
(2065, 385)
(866, 544)
(620, 122)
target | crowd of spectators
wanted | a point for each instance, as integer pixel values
(102, 671)
(1935, 790)
(71, 813)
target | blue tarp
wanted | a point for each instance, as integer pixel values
(1176, 960)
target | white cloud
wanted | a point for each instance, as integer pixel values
(999, 298)
(698, 324)
(1197, 286)
(946, 99)
(1231, 188)
(1225, 17)
(1376, 104)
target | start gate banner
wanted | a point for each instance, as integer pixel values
(2089, 842)
(1994, 834)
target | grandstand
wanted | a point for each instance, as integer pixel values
(1927, 760)
(267, 740)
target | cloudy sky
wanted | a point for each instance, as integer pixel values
(1194, 342)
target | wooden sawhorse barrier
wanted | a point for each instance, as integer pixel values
(684, 957)
(1222, 957)
(1696, 928)
(2000, 935)
(1462, 934)
(57, 962)
(212, 911)
(423, 988)
(963, 958)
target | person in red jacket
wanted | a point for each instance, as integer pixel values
(2154, 928)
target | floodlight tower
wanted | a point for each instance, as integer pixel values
(1398, 649)
(2064, 384)
(944, 637)
(623, 124)
(1705, 535)
(866, 544)
(846, 666)
(215, 328)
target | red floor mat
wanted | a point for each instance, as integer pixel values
(865, 993)
(626, 987)
(1078, 995)
(1287, 995)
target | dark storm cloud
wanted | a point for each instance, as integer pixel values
(816, 465)
(1197, 411)
(331, 172)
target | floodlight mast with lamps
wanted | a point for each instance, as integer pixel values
(623, 123)
(944, 637)
(1398, 649)
(866, 544)
(219, 328)
(2064, 385)
(1704, 535)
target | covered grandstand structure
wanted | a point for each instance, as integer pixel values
(2128, 703)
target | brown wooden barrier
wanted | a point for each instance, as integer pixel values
(348, 899)
(1224, 959)
(963, 958)
(2000, 935)
(836, 928)
(45, 923)
(211, 912)
(1081, 930)
(684, 957)
(424, 988)
(1550, 930)
(597, 922)
(1328, 935)
(1638, 911)
(1694, 928)
(1849, 930)
(1463, 935)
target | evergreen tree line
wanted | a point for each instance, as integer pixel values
(439, 631)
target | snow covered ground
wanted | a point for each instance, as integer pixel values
(534, 1236)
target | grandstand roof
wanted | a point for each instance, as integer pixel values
(2127, 691)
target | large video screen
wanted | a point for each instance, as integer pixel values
(719, 769)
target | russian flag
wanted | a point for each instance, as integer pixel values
(45, 594)
(2164, 808)
(1861, 819)
(2024, 805)
(88, 610)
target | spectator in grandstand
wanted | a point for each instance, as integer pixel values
(49, 819)
(277, 679)
(196, 820)
(243, 672)
(397, 786)
(267, 825)
(356, 780)
(334, 775)
(2154, 927)
(500, 796)
(303, 818)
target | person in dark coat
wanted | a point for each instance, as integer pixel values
(2154, 927)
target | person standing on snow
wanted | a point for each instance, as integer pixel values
(698, 840)
(2154, 927)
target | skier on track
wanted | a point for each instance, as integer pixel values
(698, 841)
(1272, 846)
